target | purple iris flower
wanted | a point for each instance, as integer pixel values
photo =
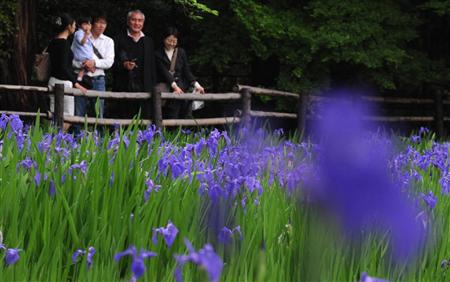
(367, 278)
(3, 121)
(445, 184)
(137, 266)
(15, 123)
(278, 132)
(51, 189)
(430, 200)
(90, 255)
(355, 184)
(12, 256)
(81, 166)
(169, 233)
(37, 178)
(150, 188)
(205, 258)
(226, 234)
(76, 254)
(27, 164)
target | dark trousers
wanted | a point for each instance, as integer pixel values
(174, 109)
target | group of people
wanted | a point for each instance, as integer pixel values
(136, 65)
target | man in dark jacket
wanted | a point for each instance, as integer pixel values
(134, 66)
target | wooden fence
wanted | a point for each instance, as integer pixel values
(440, 104)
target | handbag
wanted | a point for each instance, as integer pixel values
(41, 68)
(173, 63)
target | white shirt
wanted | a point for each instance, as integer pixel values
(105, 46)
(141, 34)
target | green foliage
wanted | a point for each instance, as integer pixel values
(440, 7)
(367, 36)
(194, 7)
(7, 12)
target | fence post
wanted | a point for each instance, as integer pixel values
(157, 111)
(301, 113)
(246, 98)
(58, 92)
(439, 114)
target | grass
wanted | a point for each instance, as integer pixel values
(282, 239)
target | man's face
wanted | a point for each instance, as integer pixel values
(99, 27)
(136, 22)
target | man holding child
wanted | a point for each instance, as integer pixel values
(98, 57)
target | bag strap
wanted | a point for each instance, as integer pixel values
(97, 53)
(173, 62)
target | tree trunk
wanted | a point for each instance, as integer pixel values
(24, 44)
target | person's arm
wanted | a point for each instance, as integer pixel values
(66, 60)
(76, 64)
(187, 73)
(186, 69)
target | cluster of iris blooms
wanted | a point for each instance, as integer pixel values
(355, 175)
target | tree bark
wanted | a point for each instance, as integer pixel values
(24, 43)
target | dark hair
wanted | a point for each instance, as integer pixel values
(83, 20)
(61, 22)
(170, 31)
(98, 17)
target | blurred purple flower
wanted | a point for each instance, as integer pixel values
(27, 164)
(226, 234)
(445, 184)
(355, 183)
(90, 255)
(3, 121)
(205, 258)
(278, 132)
(81, 166)
(137, 266)
(169, 233)
(37, 178)
(77, 254)
(15, 123)
(367, 278)
(51, 189)
(150, 188)
(429, 199)
(445, 263)
(12, 256)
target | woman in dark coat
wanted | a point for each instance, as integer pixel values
(180, 81)
(61, 63)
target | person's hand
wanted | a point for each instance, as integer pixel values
(81, 88)
(200, 90)
(87, 28)
(89, 65)
(177, 90)
(129, 65)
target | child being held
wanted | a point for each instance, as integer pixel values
(82, 46)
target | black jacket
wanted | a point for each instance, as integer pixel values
(122, 75)
(183, 75)
(61, 60)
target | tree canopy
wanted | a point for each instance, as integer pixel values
(296, 45)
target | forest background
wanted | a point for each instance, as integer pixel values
(390, 46)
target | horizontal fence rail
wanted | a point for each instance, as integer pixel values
(439, 104)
